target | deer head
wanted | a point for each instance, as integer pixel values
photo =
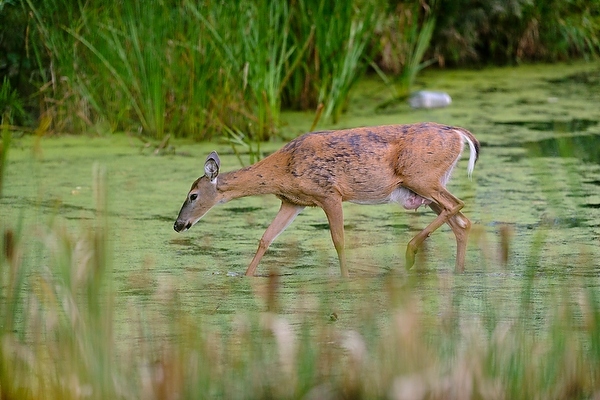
(202, 196)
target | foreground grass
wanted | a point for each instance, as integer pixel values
(62, 336)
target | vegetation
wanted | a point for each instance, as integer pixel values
(98, 301)
(227, 69)
(206, 69)
(508, 31)
(193, 69)
(404, 44)
(61, 338)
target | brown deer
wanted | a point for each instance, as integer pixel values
(405, 164)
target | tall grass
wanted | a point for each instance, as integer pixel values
(195, 69)
(130, 51)
(406, 40)
(55, 55)
(340, 61)
(266, 51)
(512, 31)
(6, 138)
(9, 105)
(336, 57)
(142, 57)
(61, 338)
(203, 69)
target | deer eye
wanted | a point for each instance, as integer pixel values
(193, 197)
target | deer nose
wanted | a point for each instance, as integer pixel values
(178, 226)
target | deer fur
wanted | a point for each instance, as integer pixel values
(405, 164)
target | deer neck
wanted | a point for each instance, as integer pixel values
(249, 181)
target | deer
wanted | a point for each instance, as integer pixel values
(405, 164)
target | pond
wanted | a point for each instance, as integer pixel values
(534, 200)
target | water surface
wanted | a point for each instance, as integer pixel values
(538, 180)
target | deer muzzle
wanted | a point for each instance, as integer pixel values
(181, 226)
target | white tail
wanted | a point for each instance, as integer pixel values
(406, 164)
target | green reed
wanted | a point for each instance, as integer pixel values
(4, 148)
(266, 52)
(408, 39)
(338, 34)
(194, 69)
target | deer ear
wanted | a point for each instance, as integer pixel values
(211, 166)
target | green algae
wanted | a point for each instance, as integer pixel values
(538, 172)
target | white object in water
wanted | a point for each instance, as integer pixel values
(429, 99)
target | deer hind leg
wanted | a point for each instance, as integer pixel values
(283, 219)
(461, 226)
(335, 215)
(449, 206)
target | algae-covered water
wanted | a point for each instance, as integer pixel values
(536, 186)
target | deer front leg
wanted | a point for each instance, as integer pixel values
(335, 215)
(282, 220)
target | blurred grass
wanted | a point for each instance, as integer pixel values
(61, 338)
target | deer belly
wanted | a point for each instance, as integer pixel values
(407, 198)
(403, 196)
